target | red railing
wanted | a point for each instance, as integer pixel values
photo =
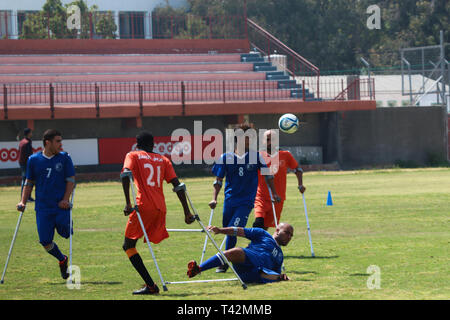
(138, 92)
(358, 89)
(296, 65)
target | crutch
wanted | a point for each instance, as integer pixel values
(12, 245)
(70, 235)
(275, 218)
(129, 174)
(307, 224)
(206, 237)
(208, 234)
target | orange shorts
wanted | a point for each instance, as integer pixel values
(154, 222)
(263, 209)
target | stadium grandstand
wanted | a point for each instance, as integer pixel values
(235, 67)
(151, 69)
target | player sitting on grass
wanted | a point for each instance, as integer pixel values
(260, 262)
(149, 171)
(53, 174)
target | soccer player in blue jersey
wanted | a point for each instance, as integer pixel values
(240, 170)
(260, 262)
(53, 173)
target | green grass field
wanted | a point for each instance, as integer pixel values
(398, 220)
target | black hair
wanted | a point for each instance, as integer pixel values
(26, 131)
(49, 135)
(145, 141)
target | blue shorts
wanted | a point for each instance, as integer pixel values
(47, 222)
(236, 216)
(251, 273)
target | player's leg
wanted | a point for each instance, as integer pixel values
(260, 214)
(234, 255)
(239, 219)
(132, 233)
(46, 224)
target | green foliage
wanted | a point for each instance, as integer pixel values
(333, 34)
(51, 22)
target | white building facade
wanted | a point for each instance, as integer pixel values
(132, 17)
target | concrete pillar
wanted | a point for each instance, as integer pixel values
(117, 21)
(148, 32)
(14, 25)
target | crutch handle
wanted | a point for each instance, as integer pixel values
(126, 174)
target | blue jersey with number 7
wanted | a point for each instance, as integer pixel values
(241, 176)
(49, 175)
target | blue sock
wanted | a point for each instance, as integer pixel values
(230, 242)
(212, 262)
(54, 251)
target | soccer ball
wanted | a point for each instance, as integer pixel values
(288, 123)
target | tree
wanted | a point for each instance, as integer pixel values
(51, 22)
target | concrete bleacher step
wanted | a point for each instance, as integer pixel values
(288, 84)
(119, 59)
(265, 68)
(299, 95)
(280, 77)
(260, 64)
(135, 77)
(250, 54)
(121, 68)
(252, 59)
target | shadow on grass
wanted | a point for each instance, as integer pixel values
(359, 275)
(93, 282)
(309, 257)
(302, 272)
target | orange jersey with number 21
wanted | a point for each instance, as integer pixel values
(150, 170)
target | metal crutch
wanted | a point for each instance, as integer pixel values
(307, 224)
(12, 245)
(196, 216)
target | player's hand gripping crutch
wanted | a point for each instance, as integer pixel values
(208, 234)
(129, 174)
(22, 210)
(307, 225)
(70, 235)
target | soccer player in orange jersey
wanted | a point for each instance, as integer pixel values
(263, 206)
(149, 170)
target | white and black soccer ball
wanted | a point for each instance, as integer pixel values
(288, 123)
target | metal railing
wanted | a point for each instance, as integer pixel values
(358, 89)
(296, 65)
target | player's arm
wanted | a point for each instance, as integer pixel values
(70, 184)
(299, 174)
(179, 189)
(126, 191)
(217, 186)
(274, 277)
(27, 189)
(269, 181)
(229, 231)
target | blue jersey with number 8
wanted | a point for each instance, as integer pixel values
(241, 177)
